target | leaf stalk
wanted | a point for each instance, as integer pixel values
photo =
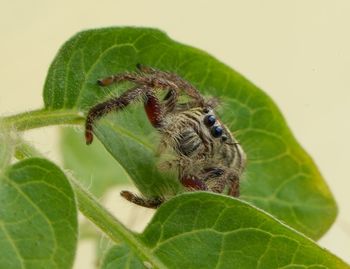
(42, 117)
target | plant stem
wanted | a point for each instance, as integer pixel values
(42, 117)
(91, 208)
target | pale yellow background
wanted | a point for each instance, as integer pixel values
(297, 51)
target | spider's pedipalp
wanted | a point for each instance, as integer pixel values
(234, 188)
(194, 183)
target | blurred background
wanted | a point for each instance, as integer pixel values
(297, 51)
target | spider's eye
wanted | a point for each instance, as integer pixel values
(206, 110)
(216, 131)
(209, 120)
(224, 138)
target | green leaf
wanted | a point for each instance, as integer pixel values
(93, 165)
(38, 216)
(280, 177)
(120, 256)
(204, 230)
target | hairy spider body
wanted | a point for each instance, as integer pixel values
(207, 156)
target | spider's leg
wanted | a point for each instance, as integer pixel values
(187, 88)
(234, 188)
(149, 77)
(145, 202)
(132, 77)
(174, 81)
(170, 100)
(149, 81)
(152, 107)
(108, 106)
(156, 79)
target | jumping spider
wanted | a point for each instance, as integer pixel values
(208, 157)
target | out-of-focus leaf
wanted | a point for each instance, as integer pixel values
(38, 216)
(92, 165)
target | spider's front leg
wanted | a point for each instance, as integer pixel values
(108, 106)
(151, 103)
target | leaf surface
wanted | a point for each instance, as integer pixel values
(38, 216)
(119, 256)
(204, 230)
(93, 165)
(280, 177)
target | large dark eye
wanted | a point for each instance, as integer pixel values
(216, 131)
(209, 120)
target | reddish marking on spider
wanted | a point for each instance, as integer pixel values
(153, 111)
(88, 137)
(193, 183)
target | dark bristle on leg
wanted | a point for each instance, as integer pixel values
(149, 203)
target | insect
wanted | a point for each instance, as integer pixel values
(207, 156)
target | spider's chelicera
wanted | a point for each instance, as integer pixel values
(207, 155)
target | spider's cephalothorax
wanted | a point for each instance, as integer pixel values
(207, 155)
